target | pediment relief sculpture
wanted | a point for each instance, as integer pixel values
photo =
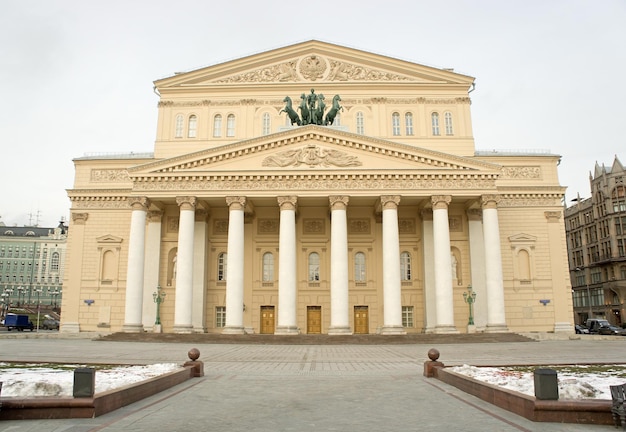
(313, 156)
(314, 68)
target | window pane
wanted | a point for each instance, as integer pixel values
(395, 123)
(360, 129)
(222, 261)
(405, 266)
(193, 125)
(230, 126)
(217, 126)
(408, 120)
(435, 123)
(266, 124)
(178, 132)
(314, 267)
(448, 120)
(359, 267)
(268, 267)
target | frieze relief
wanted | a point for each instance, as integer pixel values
(359, 226)
(289, 183)
(311, 155)
(109, 175)
(108, 202)
(530, 201)
(268, 226)
(522, 172)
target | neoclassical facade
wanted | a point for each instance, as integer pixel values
(317, 189)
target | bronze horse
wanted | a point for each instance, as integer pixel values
(304, 110)
(318, 115)
(332, 113)
(293, 116)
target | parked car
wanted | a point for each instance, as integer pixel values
(603, 327)
(612, 330)
(50, 324)
(18, 322)
(581, 329)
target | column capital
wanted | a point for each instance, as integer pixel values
(139, 203)
(236, 202)
(490, 201)
(80, 218)
(389, 201)
(440, 201)
(475, 215)
(186, 202)
(338, 202)
(155, 216)
(552, 216)
(287, 202)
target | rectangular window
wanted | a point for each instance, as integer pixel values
(220, 316)
(407, 316)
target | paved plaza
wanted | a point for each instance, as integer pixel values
(250, 387)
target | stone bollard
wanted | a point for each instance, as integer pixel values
(198, 366)
(84, 382)
(546, 384)
(430, 367)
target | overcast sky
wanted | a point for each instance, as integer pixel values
(76, 76)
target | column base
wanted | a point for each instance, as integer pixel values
(392, 330)
(233, 330)
(183, 329)
(339, 331)
(496, 328)
(446, 329)
(287, 330)
(132, 328)
(157, 328)
(563, 327)
(471, 328)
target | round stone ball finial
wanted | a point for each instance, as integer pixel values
(194, 354)
(433, 354)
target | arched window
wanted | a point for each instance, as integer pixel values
(268, 267)
(222, 261)
(447, 118)
(434, 120)
(314, 267)
(180, 124)
(217, 126)
(193, 127)
(266, 124)
(408, 123)
(360, 123)
(405, 266)
(230, 125)
(618, 197)
(359, 267)
(395, 124)
(54, 262)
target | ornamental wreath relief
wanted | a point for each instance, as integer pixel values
(311, 155)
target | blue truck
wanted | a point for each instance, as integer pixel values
(19, 322)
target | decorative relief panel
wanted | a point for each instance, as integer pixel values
(455, 223)
(359, 226)
(406, 226)
(220, 226)
(522, 172)
(267, 226)
(109, 175)
(172, 224)
(311, 155)
(314, 226)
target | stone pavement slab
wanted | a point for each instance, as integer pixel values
(309, 387)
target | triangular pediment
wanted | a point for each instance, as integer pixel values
(314, 150)
(313, 62)
(522, 238)
(109, 238)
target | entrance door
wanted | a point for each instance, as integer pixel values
(314, 319)
(361, 320)
(267, 319)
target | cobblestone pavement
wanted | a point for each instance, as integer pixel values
(308, 387)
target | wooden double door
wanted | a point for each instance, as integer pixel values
(268, 320)
(361, 320)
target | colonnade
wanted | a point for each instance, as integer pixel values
(438, 290)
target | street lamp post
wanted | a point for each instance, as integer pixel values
(470, 297)
(159, 297)
(20, 292)
(38, 291)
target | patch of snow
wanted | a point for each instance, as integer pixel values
(574, 384)
(47, 381)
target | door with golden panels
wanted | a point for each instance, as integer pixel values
(267, 320)
(361, 320)
(314, 319)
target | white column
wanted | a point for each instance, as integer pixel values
(392, 284)
(496, 321)
(287, 280)
(184, 265)
(235, 266)
(200, 245)
(443, 277)
(152, 260)
(477, 267)
(133, 322)
(430, 305)
(339, 300)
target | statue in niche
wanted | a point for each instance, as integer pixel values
(172, 267)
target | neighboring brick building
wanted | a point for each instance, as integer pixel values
(596, 243)
(256, 214)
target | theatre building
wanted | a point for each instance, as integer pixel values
(317, 189)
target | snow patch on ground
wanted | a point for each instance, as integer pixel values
(41, 380)
(574, 384)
